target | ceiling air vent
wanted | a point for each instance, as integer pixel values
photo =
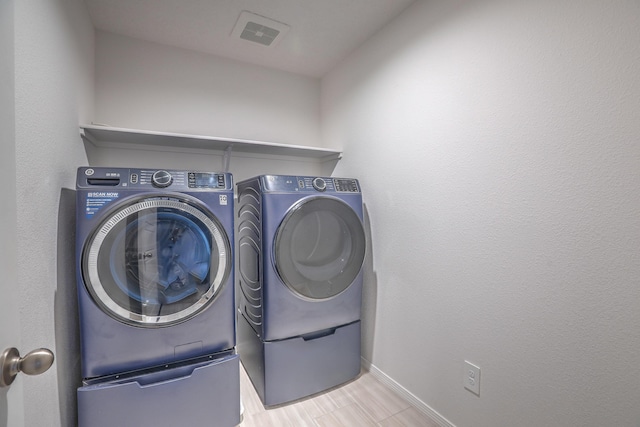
(259, 29)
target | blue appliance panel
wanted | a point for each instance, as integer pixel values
(301, 250)
(288, 313)
(154, 267)
(205, 392)
(302, 246)
(286, 370)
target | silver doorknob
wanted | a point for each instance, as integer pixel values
(33, 363)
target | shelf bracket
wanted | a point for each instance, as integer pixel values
(226, 158)
(86, 136)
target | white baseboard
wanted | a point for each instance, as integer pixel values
(405, 394)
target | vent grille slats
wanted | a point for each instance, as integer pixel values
(259, 29)
(249, 240)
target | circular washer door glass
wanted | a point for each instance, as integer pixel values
(156, 261)
(319, 247)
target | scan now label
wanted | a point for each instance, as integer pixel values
(97, 200)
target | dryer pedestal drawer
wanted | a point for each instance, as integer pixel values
(290, 369)
(203, 394)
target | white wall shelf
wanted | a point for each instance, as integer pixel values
(107, 136)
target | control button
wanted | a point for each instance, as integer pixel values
(319, 184)
(134, 178)
(161, 179)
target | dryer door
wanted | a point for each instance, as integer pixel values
(319, 247)
(156, 261)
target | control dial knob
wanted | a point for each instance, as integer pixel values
(319, 184)
(161, 179)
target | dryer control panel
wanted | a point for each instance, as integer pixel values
(309, 184)
(138, 179)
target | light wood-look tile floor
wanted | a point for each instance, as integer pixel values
(363, 402)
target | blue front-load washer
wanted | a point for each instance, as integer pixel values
(156, 297)
(301, 249)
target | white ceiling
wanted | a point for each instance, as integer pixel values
(322, 32)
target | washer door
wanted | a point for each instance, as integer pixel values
(156, 261)
(319, 247)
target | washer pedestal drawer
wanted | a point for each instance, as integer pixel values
(290, 369)
(201, 393)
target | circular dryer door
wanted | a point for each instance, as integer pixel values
(156, 261)
(319, 247)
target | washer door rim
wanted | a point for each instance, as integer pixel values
(354, 226)
(120, 212)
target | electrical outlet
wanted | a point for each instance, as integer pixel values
(471, 377)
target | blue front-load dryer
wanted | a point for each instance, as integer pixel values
(156, 296)
(301, 247)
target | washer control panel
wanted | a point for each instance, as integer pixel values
(172, 180)
(309, 184)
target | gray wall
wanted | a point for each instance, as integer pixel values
(496, 142)
(144, 85)
(53, 92)
(497, 146)
(9, 315)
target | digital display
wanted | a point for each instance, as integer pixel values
(349, 185)
(206, 180)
